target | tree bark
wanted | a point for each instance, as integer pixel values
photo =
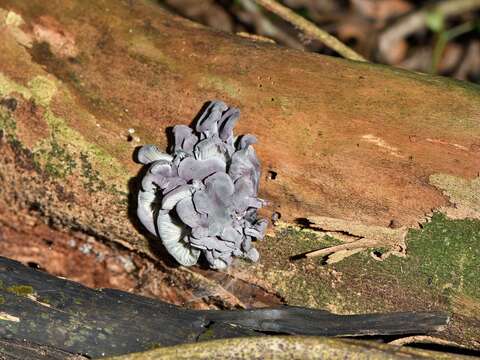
(21, 350)
(332, 130)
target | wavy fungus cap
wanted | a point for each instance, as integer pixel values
(202, 198)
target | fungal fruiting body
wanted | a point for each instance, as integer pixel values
(202, 198)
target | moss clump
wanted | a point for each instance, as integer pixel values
(442, 262)
(20, 290)
(7, 123)
(2, 300)
(77, 301)
(56, 160)
(444, 256)
(208, 334)
(302, 283)
(446, 252)
(295, 240)
(92, 180)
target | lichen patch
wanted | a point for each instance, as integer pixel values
(13, 22)
(8, 317)
(13, 19)
(464, 195)
(43, 89)
(8, 86)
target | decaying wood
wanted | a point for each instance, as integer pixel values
(363, 237)
(286, 348)
(22, 350)
(46, 310)
(422, 339)
(348, 140)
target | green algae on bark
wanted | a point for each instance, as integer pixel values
(448, 255)
(298, 283)
(281, 347)
(443, 260)
(20, 290)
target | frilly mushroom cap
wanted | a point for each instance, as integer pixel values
(202, 198)
(207, 123)
(150, 153)
(185, 139)
(188, 215)
(192, 169)
(227, 123)
(174, 238)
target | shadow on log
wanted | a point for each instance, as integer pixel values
(23, 350)
(51, 311)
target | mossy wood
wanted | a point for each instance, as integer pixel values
(289, 348)
(42, 309)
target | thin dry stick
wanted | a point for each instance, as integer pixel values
(423, 339)
(267, 28)
(311, 29)
(359, 244)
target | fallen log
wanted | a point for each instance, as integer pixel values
(331, 132)
(47, 310)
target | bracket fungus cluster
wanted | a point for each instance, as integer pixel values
(202, 198)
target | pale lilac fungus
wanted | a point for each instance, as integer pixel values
(202, 198)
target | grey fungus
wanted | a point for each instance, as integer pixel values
(202, 198)
(150, 153)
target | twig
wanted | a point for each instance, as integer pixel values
(266, 28)
(359, 244)
(417, 20)
(310, 29)
(367, 236)
(424, 339)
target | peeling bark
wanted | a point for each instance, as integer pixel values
(363, 237)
